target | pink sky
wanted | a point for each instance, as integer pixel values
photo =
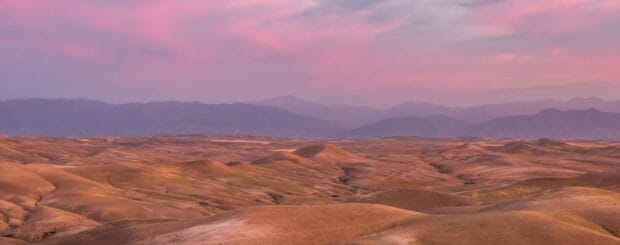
(369, 52)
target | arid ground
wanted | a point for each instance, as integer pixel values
(218, 190)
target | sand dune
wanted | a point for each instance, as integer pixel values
(497, 228)
(267, 224)
(412, 199)
(193, 189)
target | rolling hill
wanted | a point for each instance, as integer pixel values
(240, 190)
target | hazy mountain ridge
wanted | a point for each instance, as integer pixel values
(551, 123)
(492, 111)
(434, 126)
(61, 117)
(554, 123)
(345, 115)
(359, 116)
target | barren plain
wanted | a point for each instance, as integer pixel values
(248, 190)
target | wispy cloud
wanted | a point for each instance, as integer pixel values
(234, 50)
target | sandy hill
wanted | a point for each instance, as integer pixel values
(496, 228)
(227, 190)
(322, 151)
(412, 199)
(307, 224)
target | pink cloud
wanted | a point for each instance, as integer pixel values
(181, 45)
(547, 17)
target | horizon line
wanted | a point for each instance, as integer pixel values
(255, 102)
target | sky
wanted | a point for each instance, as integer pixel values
(367, 52)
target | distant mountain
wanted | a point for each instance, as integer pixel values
(435, 126)
(550, 123)
(418, 109)
(553, 123)
(34, 117)
(356, 116)
(344, 115)
(492, 111)
(61, 117)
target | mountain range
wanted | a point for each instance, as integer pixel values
(549, 123)
(61, 117)
(347, 116)
(354, 116)
(580, 118)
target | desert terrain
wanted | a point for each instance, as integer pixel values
(250, 190)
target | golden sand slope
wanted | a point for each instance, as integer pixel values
(195, 189)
